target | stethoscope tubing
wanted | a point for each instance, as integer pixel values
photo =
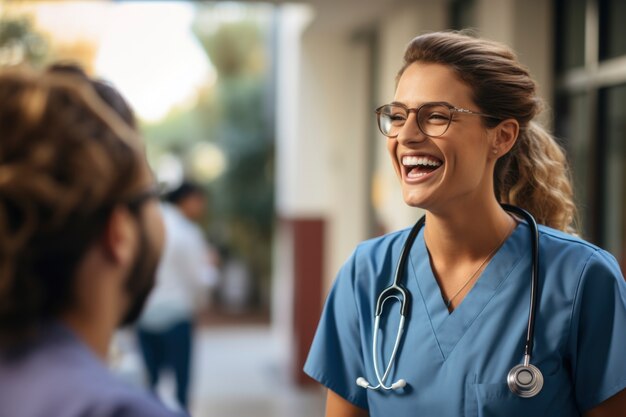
(397, 291)
(534, 281)
(381, 383)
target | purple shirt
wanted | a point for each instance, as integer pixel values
(57, 375)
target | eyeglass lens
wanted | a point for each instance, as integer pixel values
(432, 119)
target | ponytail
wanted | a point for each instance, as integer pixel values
(534, 175)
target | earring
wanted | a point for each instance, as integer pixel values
(495, 151)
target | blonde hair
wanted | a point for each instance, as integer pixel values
(66, 159)
(534, 175)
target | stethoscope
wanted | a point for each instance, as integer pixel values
(524, 380)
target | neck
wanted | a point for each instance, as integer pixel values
(97, 338)
(95, 313)
(466, 234)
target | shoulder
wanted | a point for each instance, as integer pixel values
(390, 242)
(578, 264)
(559, 246)
(121, 400)
(179, 228)
(371, 259)
(374, 254)
(96, 391)
(564, 240)
(69, 381)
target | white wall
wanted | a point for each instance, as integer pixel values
(292, 22)
(324, 114)
(341, 67)
(526, 26)
(300, 183)
(396, 31)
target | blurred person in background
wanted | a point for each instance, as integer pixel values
(184, 278)
(80, 238)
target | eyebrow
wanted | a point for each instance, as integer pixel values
(426, 102)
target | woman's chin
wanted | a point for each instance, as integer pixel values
(413, 199)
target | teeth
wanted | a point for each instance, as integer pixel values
(420, 160)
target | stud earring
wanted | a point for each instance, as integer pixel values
(495, 151)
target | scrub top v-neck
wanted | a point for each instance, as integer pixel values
(455, 364)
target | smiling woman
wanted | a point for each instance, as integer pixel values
(462, 139)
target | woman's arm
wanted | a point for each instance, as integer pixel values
(613, 407)
(336, 406)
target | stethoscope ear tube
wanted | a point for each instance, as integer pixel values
(397, 291)
(524, 380)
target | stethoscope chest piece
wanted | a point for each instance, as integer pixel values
(525, 380)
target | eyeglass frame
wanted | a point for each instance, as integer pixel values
(135, 202)
(408, 109)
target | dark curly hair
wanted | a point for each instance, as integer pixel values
(66, 158)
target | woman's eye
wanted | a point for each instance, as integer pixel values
(437, 118)
(397, 118)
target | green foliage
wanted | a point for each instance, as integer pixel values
(236, 115)
(20, 43)
(244, 195)
(234, 48)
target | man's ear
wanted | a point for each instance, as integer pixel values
(505, 136)
(119, 236)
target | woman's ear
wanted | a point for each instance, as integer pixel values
(119, 237)
(505, 136)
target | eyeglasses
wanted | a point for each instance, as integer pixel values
(136, 201)
(433, 119)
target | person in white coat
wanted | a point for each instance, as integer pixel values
(184, 277)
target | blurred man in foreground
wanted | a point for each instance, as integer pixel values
(80, 238)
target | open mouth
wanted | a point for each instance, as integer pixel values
(420, 166)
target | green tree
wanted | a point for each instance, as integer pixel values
(240, 119)
(20, 43)
(236, 115)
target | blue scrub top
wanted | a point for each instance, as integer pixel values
(456, 363)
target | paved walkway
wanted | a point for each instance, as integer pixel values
(240, 371)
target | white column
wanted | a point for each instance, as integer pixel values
(297, 191)
(292, 21)
(396, 31)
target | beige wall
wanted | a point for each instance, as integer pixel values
(526, 26)
(325, 92)
(335, 108)
(396, 29)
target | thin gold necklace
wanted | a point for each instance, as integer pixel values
(449, 302)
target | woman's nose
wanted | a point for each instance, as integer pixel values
(411, 131)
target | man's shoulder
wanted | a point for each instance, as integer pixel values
(122, 400)
(104, 394)
(60, 376)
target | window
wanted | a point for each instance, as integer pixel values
(613, 128)
(573, 127)
(590, 113)
(463, 14)
(612, 29)
(570, 34)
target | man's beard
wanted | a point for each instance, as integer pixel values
(141, 278)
